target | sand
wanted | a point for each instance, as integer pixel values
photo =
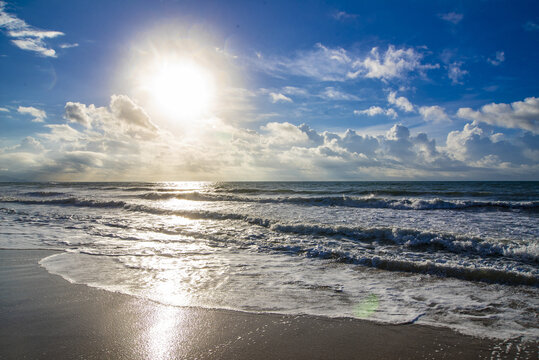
(43, 316)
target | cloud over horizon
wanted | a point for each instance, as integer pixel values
(121, 141)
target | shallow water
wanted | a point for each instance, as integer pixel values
(464, 255)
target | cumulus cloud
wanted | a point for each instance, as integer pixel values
(518, 115)
(377, 110)
(79, 113)
(452, 17)
(30, 144)
(119, 142)
(400, 102)
(110, 143)
(434, 113)
(394, 63)
(25, 36)
(276, 97)
(130, 113)
(498, 59)
(3, 109)
(123, 115)
(481, 149)
(284, 133)
(39, 115)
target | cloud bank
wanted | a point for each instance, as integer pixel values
(121, 142)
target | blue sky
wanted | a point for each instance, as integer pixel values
(269, 90)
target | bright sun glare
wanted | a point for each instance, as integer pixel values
(181, 89)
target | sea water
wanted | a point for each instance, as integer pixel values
(463, 255)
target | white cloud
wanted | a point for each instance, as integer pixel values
(123, 116)
(343, 15)
(377, 110)
(452, 17)
(333, 94)
(321, 63)
(284, 133)
(30, 144)
(400, 102)
(39, 115)
(3, 109)
(479, 148)
(455, 73)
(518, 115)
(292, 90)
(68, 46)
(337, 64)
(498, 59)
(39, 34)
(434, 113)
(391, 113)
(112, 143)
(372, 111)
(276, 97)
(394, 63)
(34, 45)
(130, 113)
(79, 113)
(25, 36)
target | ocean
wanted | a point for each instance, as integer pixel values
(463, 255)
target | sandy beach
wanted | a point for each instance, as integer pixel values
(43, 316)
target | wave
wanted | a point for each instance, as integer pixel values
(390, 192)
(358, 202)
(419, 240)
(470, 273)
(416, 240)
(344, 201)
(410, 238)
(44, 193)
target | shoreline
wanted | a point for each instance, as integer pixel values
(43, 316)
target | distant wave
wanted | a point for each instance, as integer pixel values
(359, 202)
(390, 192)
(397, 204)
(345, 201)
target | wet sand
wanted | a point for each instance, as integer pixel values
(42, 316)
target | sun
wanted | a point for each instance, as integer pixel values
(181, 89)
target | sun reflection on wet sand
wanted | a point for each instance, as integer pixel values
(162, 333)
(167, 332)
